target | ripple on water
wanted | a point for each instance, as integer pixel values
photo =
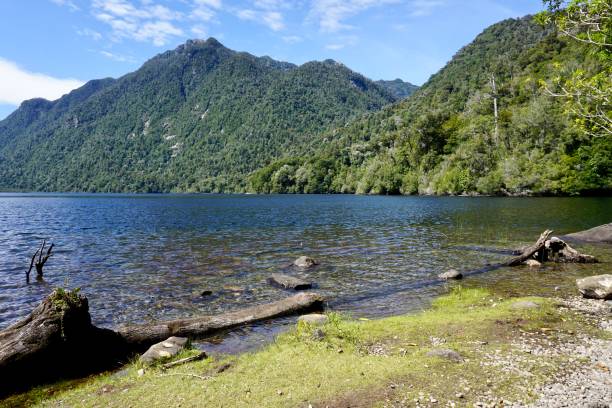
(143, 258)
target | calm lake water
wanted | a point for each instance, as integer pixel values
(148, 257)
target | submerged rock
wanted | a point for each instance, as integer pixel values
(314, 318)
(451, 274)
(596, 287)
(305, 262)
(446, 354)
(165, 349)
(532, 263)
(289, 282)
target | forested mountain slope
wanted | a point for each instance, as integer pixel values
(447, 138)
(198, 118)
(400, 89)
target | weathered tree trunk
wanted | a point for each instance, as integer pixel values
(57, 339)
(144, 335)
(530, 250)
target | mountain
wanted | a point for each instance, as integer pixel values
(197, 118)
(398, 88)
(482, 124)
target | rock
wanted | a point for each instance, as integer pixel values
(318, 334)
(451, 274)
(524, 304)
(305, 262)
(602, 233)
(596, 287)
(314, 318)
(289, 282)
(141, 372)
(532, 263)
(165, 349)
(205, 293)
(446, 354)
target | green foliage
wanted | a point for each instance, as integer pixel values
(398, 88)
(198, 118)
(445, 138)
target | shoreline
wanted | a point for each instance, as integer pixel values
(498, 340)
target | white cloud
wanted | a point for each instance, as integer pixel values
(422, 8)
(292, 39)
(331, 14)
(117, 57)
(342, 42)
(199, 31)
(66, 3)
(216, 4)
(86, 32)
(149, 22)
(274, 20)
(265, 12)
(17, 84)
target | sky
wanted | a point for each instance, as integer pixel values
(50, 47)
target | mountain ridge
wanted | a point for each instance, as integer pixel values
(199, 117)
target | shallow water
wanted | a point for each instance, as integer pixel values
(148, 257)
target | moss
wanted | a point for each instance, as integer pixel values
(347, 361)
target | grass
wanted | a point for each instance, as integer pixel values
(356, 363)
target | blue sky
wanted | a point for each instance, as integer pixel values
(52, 46)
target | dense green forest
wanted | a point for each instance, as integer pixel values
(484, 124)
(523, 109)
(400, 89)
(198, 118)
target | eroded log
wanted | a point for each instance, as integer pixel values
(143, 335)
(56, 340)
(530, 250)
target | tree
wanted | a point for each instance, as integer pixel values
(587, 93)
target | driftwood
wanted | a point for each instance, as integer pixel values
(550, 249)
(57, 339)
(530, 250)
(144, 335)
(40, 262)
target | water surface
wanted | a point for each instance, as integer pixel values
(140, 258)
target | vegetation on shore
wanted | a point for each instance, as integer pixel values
(522, 109)
(347, 360)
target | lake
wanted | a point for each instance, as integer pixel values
(141, 258)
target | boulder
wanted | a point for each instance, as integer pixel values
(314, 318)
(451, 274)
(288, 282)
(446, 354)
(596, 287)
(305, 262)
(165, 349)
(602, 233)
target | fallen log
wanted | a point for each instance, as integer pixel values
(144, 335)
(57, 340)
(530, 250)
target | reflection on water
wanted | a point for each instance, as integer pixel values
(147, 257)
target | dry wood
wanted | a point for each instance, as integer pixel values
(143, 335)
(200, 356)
(530, 250)
(40, 263)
